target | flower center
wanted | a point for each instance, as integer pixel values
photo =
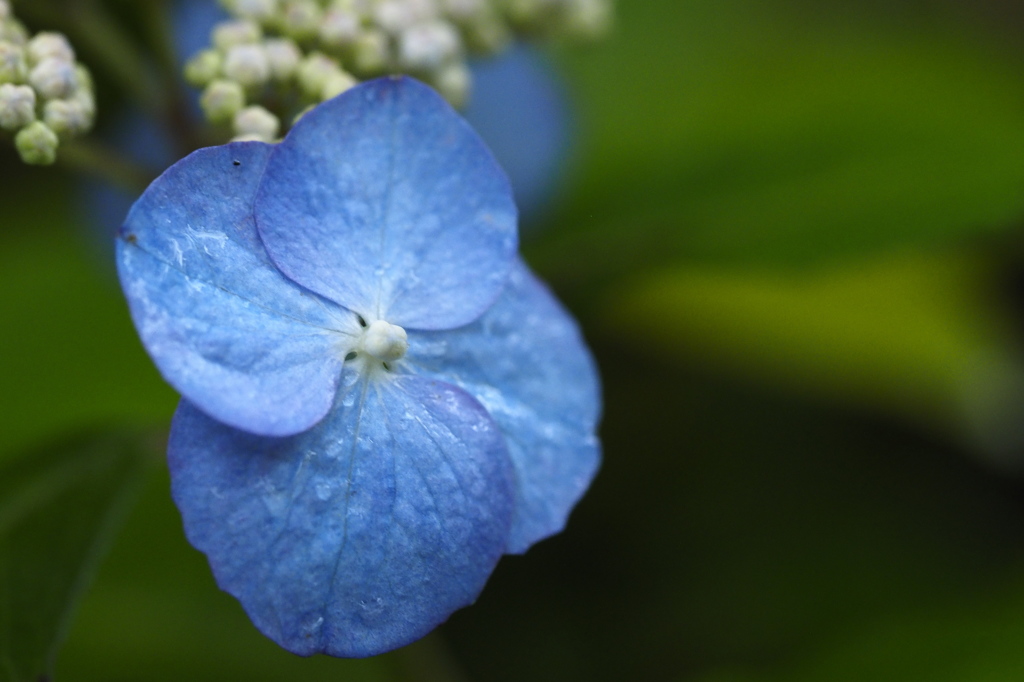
(385, 341)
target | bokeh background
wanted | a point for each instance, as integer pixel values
(793, 232)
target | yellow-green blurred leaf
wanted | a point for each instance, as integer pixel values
(914, 334)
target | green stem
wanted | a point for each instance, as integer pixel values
(93, 158)
(156, 25)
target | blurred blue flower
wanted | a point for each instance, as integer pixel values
(519, 107)
(379, 398)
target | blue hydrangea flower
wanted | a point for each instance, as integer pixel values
(380, 399)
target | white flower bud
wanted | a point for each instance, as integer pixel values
(339, 28)
(67, 116)
(37, 144)
(203, 67)
(221, 100)
(426, 47)
(256, 123)
(314, 72)
(394, 16)
(227, 34)
(47, 44)
(384, 341)
(54, 78)
(423, 10)
(248, 65)
(463, 10)
(371, 53)
(12, 31)
(302, 19)
(453, 82)
(361, 8)
(17, 106)
(283, 56)
(302, 113)
(85, 99)
(84, 78)
(256, 10)
(589, 19)
(337, 83)
(13, 67)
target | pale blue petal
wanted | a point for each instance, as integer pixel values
(520, 109)
(526, 362)
(360, 535)
(385, 201)
(230, 332)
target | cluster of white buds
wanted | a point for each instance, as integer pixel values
(45, 95)
(581, 19)
(283, 56)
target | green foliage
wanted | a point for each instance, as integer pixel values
(744, 132)
(975, 640)
(68, 345)
(156, 614)
(915, 334)
(59, 508)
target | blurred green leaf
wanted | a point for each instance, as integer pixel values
(155, 614)
(748, 132)
(977, 640)
(69, 355)
(59, 508)
(916, 334)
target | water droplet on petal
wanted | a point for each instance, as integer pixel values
(324, 491)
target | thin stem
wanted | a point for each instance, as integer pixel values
(93, 158)
(157, 26)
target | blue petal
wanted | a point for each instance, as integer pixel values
(226, 329)
(526, 362)
(520, 109)
(360, 535)
(385, 201)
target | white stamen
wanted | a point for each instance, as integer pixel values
(385, 341)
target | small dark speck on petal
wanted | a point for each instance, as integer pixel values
(237, 163)
(131, 238)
